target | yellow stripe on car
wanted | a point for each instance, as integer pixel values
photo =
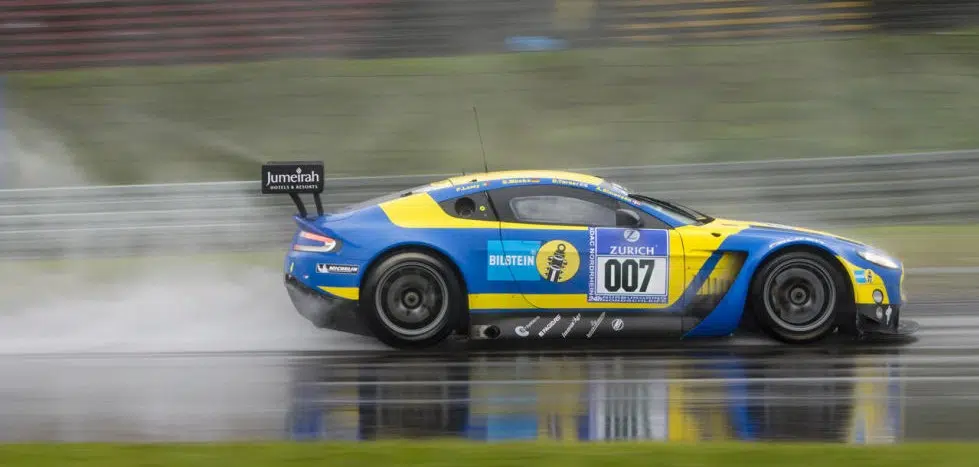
(349, 293)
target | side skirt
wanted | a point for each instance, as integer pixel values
(578, 324)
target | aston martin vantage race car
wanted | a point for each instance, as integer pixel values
(540, 254)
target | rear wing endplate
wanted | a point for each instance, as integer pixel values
(294, 178)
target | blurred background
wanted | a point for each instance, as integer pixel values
(132, 133)
(191, 90)
(856, 116)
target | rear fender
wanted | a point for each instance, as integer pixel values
(310, 226)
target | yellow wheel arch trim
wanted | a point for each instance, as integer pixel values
(863, 294)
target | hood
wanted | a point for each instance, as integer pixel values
(784, 228)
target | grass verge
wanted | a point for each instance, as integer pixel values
(580, 108)
(452, 454)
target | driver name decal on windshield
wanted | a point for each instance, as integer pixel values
(628, 265)
(621, 196)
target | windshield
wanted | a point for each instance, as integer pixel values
(677, 211)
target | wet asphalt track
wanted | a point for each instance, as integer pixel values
(737, 388)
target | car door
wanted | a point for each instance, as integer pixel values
(568, 248)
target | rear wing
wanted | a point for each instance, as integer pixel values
(294, 178)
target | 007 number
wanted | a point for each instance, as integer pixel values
(624, 274)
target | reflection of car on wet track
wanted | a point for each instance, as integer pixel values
(561, 255)
(697, 397)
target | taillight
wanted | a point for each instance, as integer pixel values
(318, 243)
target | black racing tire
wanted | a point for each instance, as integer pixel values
(797, 296)
(412, 300)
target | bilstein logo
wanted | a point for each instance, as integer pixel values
(292, 177)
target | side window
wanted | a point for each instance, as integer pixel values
(474, 206)
(552, 209)
(550, 204)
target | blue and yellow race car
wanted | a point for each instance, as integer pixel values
(540, 254)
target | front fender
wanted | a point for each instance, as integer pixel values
(760, 247)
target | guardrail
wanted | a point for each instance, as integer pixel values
(821, 193)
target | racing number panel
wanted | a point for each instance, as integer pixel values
(569, 254)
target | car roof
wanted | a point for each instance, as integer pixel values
(450, 187)
(519, 174)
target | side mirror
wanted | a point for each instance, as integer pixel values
(627, 218)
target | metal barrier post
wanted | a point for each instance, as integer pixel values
(5, 157)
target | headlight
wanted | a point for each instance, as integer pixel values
(878, 258)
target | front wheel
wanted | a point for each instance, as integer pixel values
(412, 300)
(796, 297)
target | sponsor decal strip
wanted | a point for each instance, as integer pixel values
(527, 260)
(544, 326)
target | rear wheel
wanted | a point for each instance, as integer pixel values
(412, 300)
(796, 297)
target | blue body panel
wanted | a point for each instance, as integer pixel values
(496, 260)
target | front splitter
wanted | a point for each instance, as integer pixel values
(905, 330)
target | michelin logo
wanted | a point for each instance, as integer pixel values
(337, 268)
